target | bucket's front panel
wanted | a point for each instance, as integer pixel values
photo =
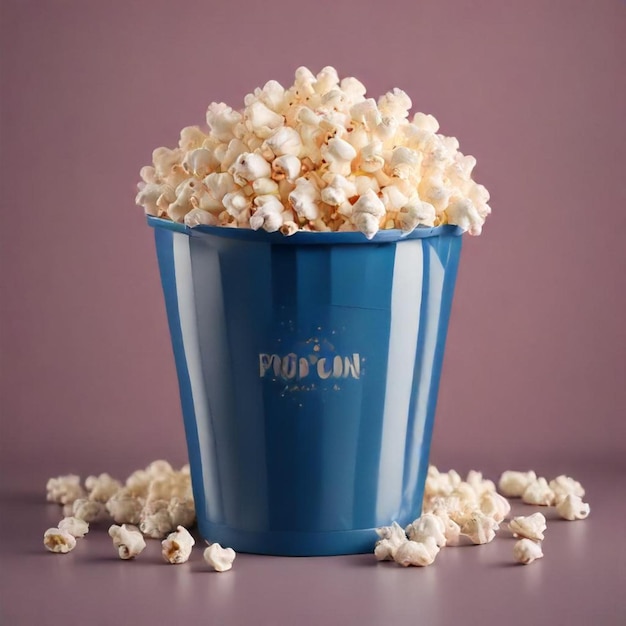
(309, 377)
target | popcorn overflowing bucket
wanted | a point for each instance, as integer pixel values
(308, 369)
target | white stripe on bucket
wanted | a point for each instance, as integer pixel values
(406, 300)
(191, 346)
(431, 331)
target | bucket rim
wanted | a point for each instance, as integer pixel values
(305, 237)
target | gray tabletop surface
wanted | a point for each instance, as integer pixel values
(580, 581)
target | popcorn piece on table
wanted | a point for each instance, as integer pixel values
(128, 540)
(391, 538)
(571, 507)
(220, 559)
(102, 487)
(512, 484)
(156, 521)
(176, 548)
(74, 526)
(565, 485)
(528, 527)
(478, 527)
(64, 489)
(89, 510)
(526, 551)
(493, 504)
(539, 493)
(59, 541)
(125, 507)
(425, 526)
(417, 553)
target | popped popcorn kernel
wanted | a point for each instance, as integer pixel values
(220, 559)
(64, 489)
(74, 526)
(176, 548)
(528, 527)
(59, 541)
(128, 540)
(571, 507)
(526, 551)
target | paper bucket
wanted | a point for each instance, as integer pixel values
(308, 369)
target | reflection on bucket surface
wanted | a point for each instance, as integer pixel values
(308, 369)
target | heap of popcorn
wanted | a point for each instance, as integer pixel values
(157, 503)
(316, 156)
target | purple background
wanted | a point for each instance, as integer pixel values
(536, 349)
(534, 374)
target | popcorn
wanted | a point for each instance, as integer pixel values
(494, 505)
(76, 527)
(125, 507)
(391, 538)
(64, 489)
(564, 485)
(102, 487)
(512, 484)
(539, 493)
(571, 507)
(155, 519)
(290, 142)
(88, 510)
(305, 199)
(176, 548)
(478, 527)
(220, 559)
(128, 540)
(59, 541)
(419, 554)
(526, 551)
(248, 167)
(427, 526)
(528, 527)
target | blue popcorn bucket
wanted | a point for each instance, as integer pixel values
(308, 369)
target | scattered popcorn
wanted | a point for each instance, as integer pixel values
(59, 541)
(176, 548)
(539, 493)
(89, 510)
(124, 507)
(128, 540)
(478, 527)
(528, 527)
(564, 485)
(333, 159)
(182, 511)
(526, 551)
(102, 487)
(571, 507)
(74, 526)
(494, 505)
(220, 559)
(64, 489)
(416, 553)
(512, 484)
(156, 521)
(425, 526)
(391, 538)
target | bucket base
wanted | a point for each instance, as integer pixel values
(289, 543)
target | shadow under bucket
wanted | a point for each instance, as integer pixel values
(308, 369)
